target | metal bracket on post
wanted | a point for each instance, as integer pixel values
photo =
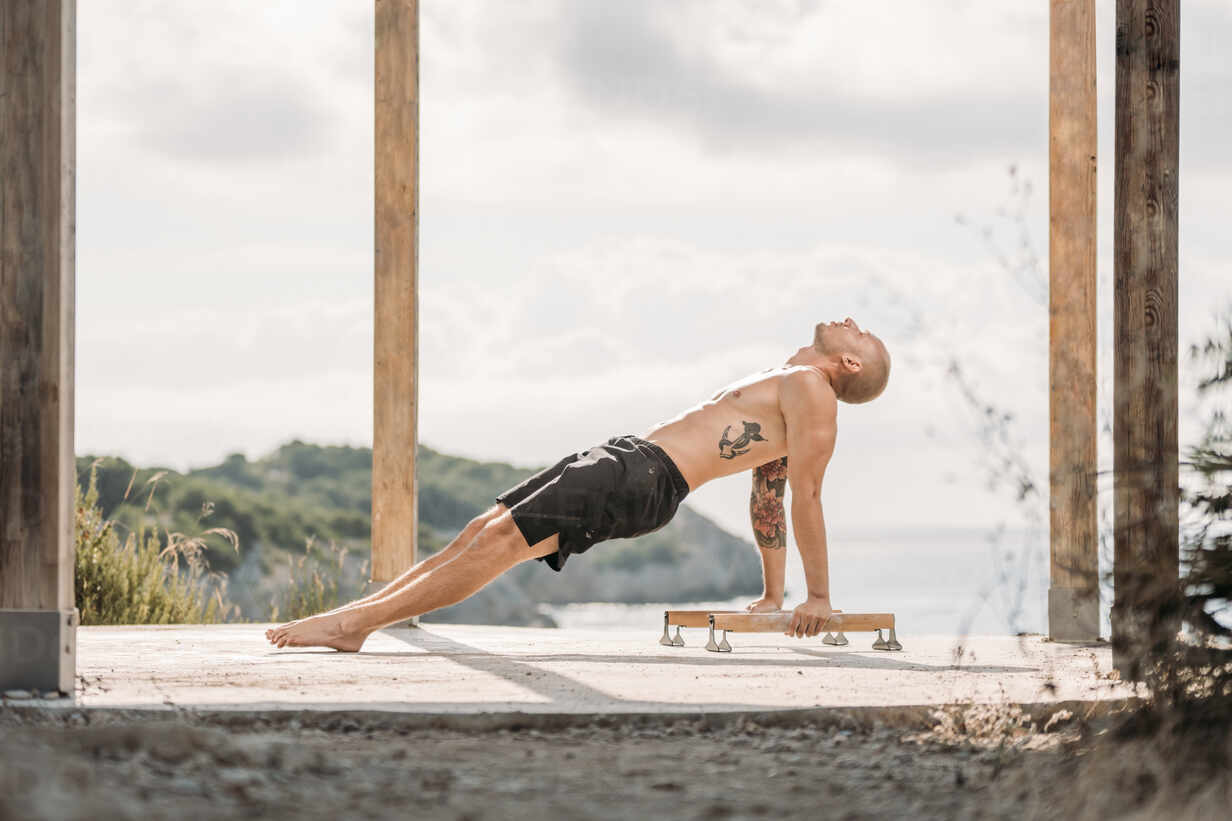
(1073, 614)
(38, 650)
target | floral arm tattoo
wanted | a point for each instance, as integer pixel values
(766, 504)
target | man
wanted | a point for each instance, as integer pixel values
(781, 423)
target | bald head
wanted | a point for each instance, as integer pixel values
(861, 362)
(867, 383)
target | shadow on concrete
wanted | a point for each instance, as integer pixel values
(880, 661)
(558, 688)
(435, 644)
(545, 683)
(850, 659)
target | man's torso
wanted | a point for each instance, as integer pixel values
(737, 429)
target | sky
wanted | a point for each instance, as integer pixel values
(624, 206)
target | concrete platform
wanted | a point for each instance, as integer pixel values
(473, 669)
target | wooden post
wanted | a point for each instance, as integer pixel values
(1073, 592)
(396, 352)
(37, 470)
(1146, 498)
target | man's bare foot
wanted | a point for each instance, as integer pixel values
(324, 630)
(273, 633)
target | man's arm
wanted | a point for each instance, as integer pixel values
(810, 411)
(770, 531)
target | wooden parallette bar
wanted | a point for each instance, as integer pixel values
(701, 618)
(740, 621)
(779, 622)
(695, 618)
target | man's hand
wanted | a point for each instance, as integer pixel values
(765, 605)
(809, 618)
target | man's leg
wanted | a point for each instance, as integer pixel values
(497, 546)
(460, 543)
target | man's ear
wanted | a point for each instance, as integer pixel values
(850, 363)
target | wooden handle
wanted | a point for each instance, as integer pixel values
(779, 622)
(701, 618)
(695, 618)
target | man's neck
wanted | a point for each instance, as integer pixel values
(807, 356)
(813, 359)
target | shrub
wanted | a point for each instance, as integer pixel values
(141, 581)
(1192, 677)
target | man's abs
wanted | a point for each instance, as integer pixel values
(737, 429)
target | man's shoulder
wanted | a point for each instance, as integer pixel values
(810, 384)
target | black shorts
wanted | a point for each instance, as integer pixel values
(622, 488)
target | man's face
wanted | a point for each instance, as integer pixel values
(840, 337)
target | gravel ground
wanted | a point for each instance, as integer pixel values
(108, 764)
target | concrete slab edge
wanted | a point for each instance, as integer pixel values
(921, 716)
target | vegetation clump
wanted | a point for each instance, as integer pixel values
(1170, 753)
(143, 580)
(1190, 677)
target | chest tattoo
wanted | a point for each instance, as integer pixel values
(730, 449)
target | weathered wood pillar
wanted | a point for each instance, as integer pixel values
(396, 353)
(1146, 497)
(37, 474)
(1073, 592)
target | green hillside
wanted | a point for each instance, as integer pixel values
(312, 500)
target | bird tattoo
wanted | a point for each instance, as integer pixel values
(729, 449)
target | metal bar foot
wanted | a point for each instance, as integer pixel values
(666, 641)
(892, 643)
(711, 645)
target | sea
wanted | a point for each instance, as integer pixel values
(936, 582)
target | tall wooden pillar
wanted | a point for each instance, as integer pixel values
(396, 352)
(37, 474)
(1073, 592)
(1146, 494)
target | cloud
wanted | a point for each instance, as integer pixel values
(179, 349)
(221, 91)
(645, 60)
(228, 114)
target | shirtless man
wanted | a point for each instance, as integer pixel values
(781, 423)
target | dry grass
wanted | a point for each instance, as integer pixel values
(313, 585)
(143, 580)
